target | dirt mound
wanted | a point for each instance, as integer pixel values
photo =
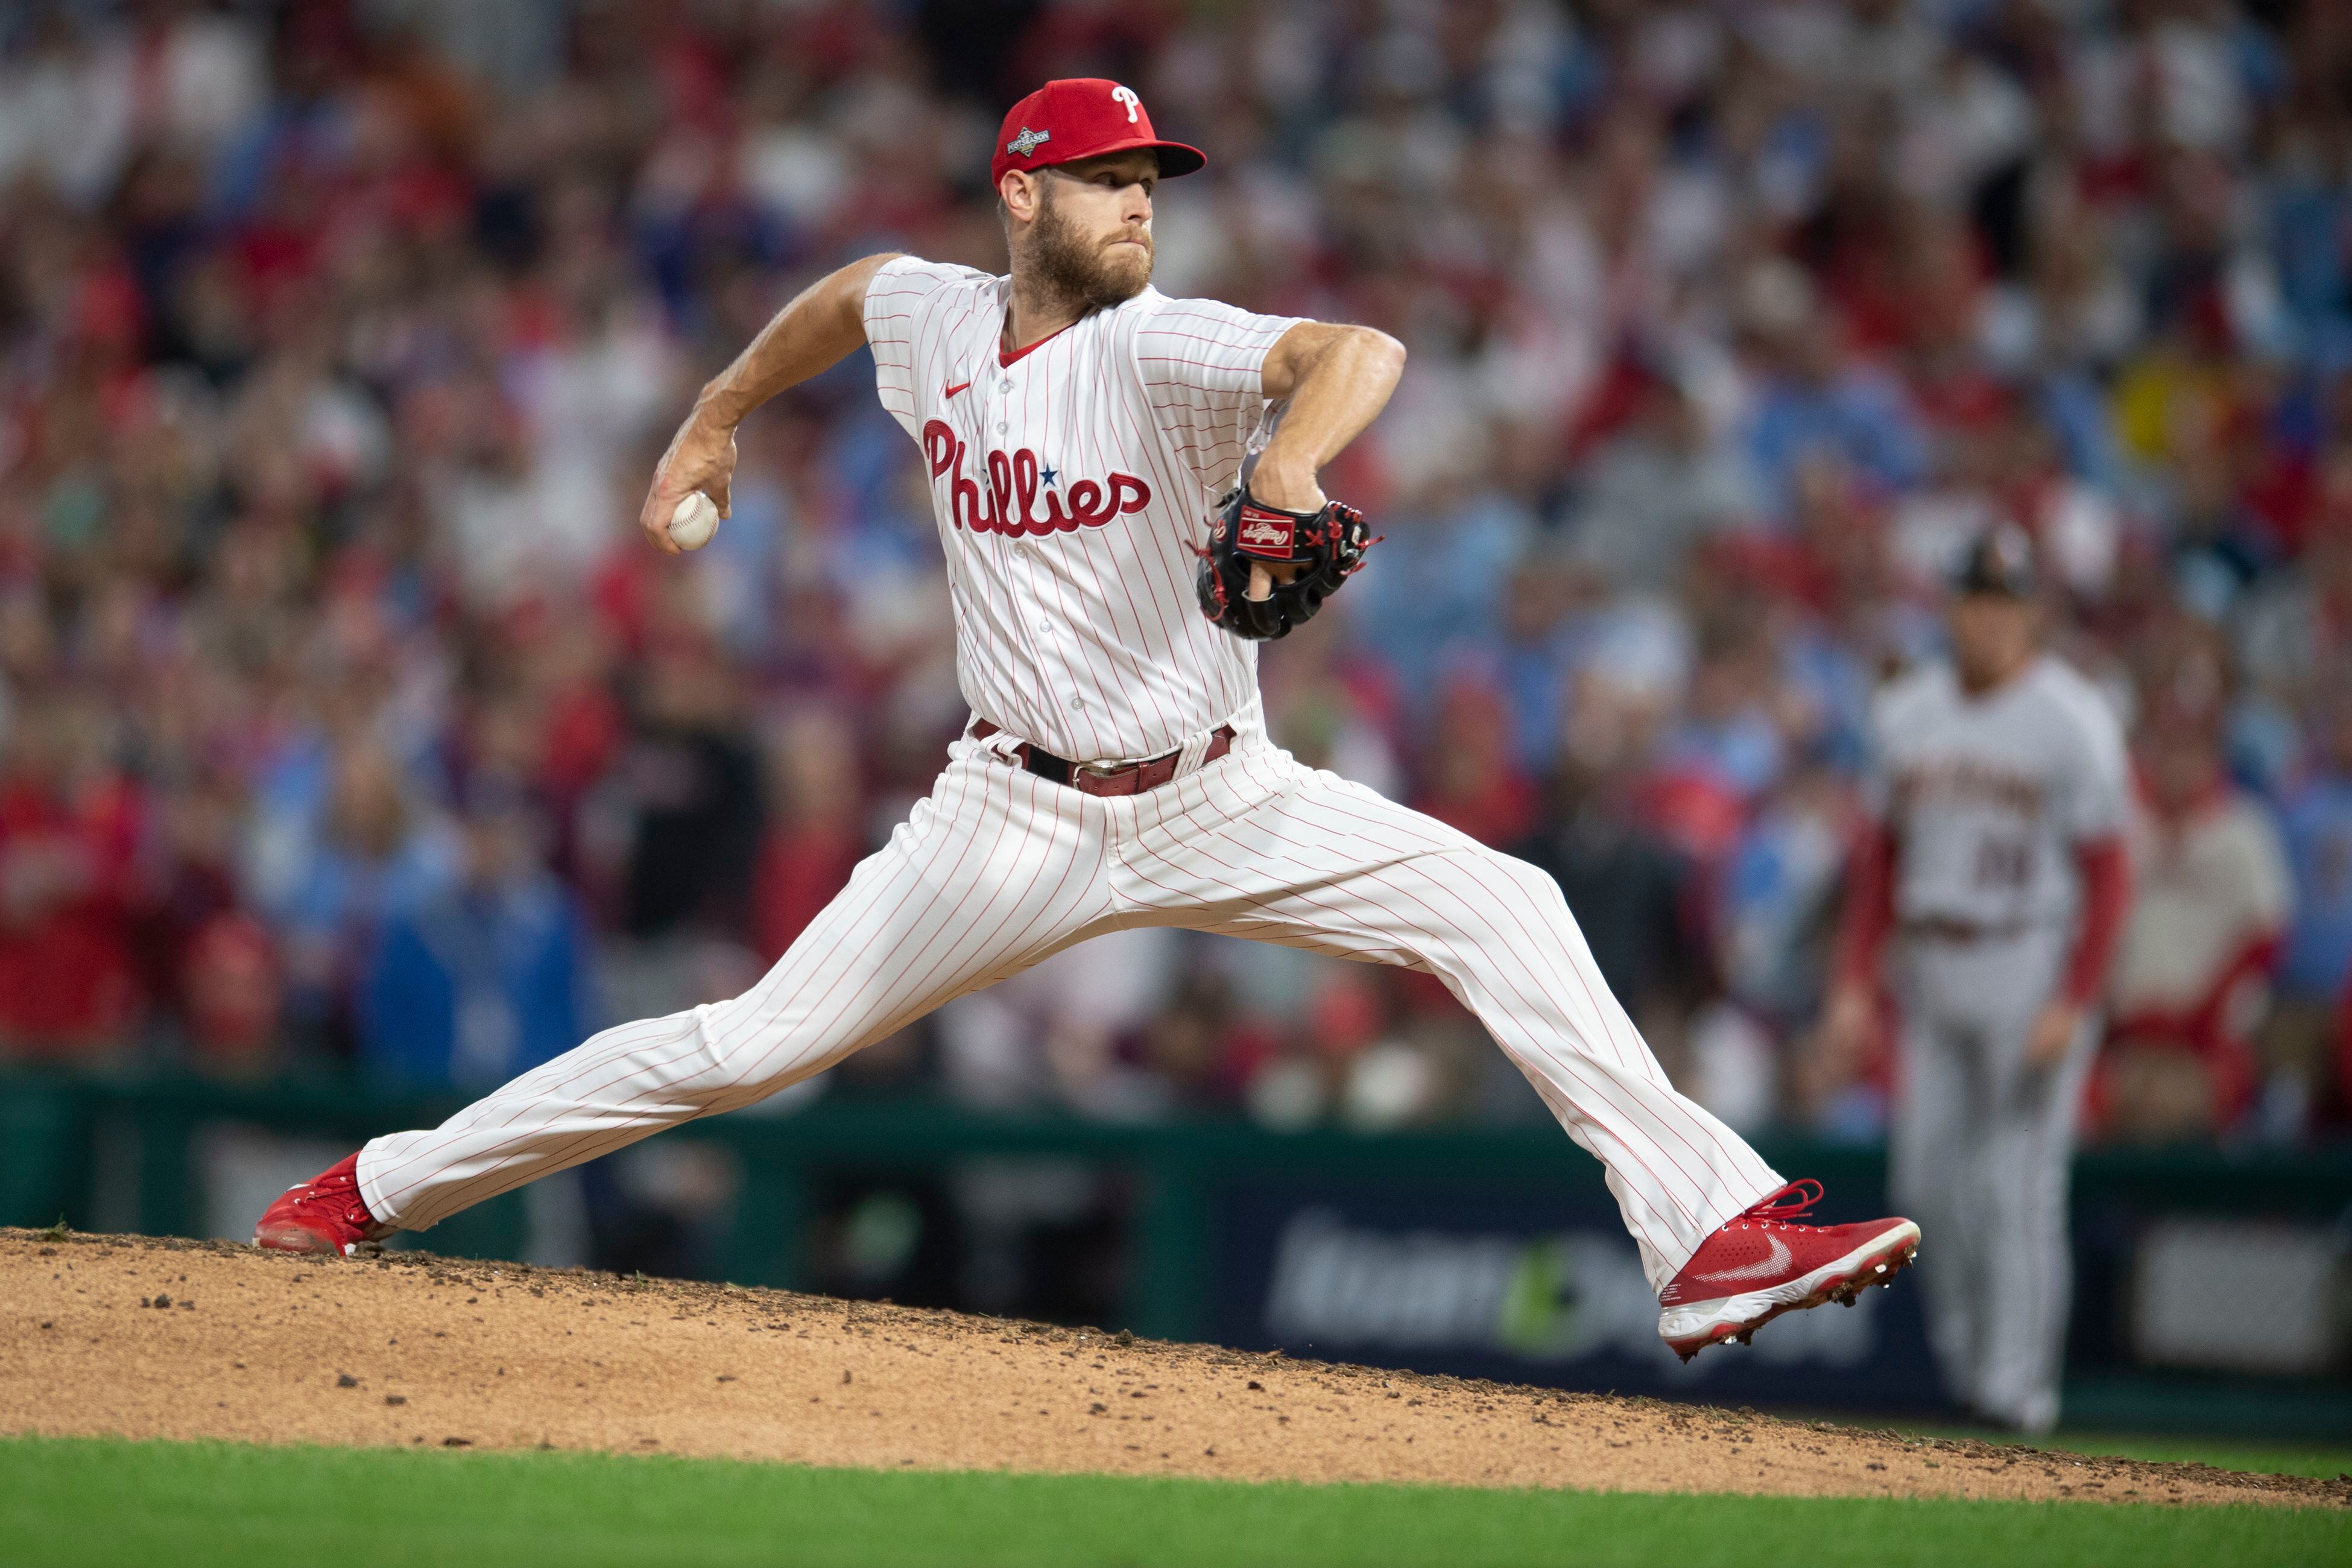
(174, 1338)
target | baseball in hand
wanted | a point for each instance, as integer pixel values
(693, 521)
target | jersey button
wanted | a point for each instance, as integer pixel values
(1005, 386)
(1000, 426)
(1077, 704)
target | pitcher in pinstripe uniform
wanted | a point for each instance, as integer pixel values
(1076, 427)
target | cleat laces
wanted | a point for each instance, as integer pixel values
(1784, 1208)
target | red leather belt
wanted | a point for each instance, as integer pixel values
(1134, 778)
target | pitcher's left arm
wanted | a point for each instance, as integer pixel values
(1280, 547)
(1336, 379)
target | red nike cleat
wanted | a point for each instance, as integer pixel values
(1763, 1264)
(325, 1213)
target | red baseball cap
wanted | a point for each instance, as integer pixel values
(1082, 117)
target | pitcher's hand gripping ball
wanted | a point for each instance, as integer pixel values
(694, 521)
(1326, 546)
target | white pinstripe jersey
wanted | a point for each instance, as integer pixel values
(1072, 482)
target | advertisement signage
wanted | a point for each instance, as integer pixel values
(1483, 1286)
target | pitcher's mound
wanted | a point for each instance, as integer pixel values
(175, 1339)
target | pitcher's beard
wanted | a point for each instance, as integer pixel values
(1062, 261)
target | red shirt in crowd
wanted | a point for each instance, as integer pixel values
(68, 964)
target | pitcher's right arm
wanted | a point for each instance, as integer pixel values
(824, 324)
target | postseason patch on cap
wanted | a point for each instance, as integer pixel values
(1265, 534)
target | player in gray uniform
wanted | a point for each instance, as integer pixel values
(1996, 875)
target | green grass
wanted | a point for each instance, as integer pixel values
(191, 1504)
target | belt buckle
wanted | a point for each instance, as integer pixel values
(1105, 769)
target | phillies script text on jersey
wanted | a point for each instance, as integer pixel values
(1070, 480)
(1009, 506)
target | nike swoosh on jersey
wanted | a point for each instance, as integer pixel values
(958, 386)
(1763, 1269)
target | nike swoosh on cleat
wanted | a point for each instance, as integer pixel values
(1763, 1269)
(958, 386)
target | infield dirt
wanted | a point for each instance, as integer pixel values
(175, 1339)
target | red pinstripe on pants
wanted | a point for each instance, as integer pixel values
(999, 868)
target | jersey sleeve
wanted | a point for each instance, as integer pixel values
(2097, 791)
(1199, 361)
(1876, 791)
(902, 308)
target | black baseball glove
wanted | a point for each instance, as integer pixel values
(1326, 546)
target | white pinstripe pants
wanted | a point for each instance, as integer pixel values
(999, 868)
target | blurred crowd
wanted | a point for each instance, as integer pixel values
(345, 718)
